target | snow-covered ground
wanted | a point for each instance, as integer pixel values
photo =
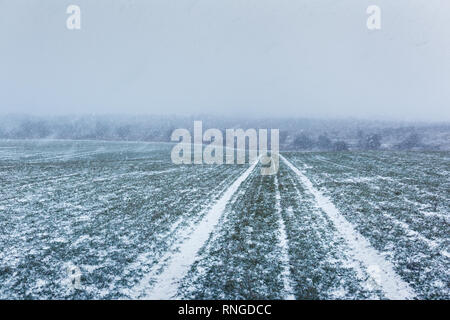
(368, 225)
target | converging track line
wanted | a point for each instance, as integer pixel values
(389, 281)
(166, 284)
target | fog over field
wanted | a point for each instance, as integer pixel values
(240, 58)
(301, 134)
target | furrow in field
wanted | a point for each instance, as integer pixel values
(412, 177)
(391, 283)
(433, 245)
(67, 156)
(166, 283)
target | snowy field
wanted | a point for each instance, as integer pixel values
(350, 225)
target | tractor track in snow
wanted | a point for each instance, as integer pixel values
(389, 281)
(283, 242)
(165, 285)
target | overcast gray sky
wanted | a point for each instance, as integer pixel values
(236, 57)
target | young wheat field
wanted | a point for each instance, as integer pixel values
(119, 220)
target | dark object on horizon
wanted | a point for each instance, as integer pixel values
(303, 142)
(340, 146)
(410, 142)
(373, 142)
(368, 142)
(324, 143)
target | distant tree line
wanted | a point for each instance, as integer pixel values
(305, 142)
(86, 128)
(295, 134)
(323, 142)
